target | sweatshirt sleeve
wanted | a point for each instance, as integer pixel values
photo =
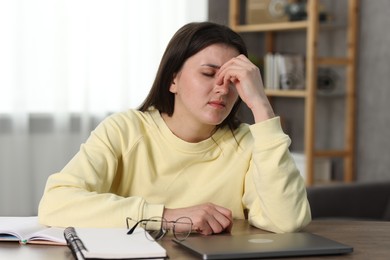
(275, 192)
(80, 195)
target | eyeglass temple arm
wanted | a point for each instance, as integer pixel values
(131, 230)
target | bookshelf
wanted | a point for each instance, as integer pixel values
(313, 61)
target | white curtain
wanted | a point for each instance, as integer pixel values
(64, 66)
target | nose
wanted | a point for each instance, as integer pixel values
(223, 88)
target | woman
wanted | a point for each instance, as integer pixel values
(183, 152)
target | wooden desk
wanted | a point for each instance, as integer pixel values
(371, 240)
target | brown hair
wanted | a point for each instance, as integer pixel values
(187, 41)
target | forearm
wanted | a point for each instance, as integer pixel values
(262, 110)
(64, 205)
(281, 204)
(275, 191)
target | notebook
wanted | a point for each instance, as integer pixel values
(112, 243)
(27, 230)
(226, 246)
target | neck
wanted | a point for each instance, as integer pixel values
(192, 133)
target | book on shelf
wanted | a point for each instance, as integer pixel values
(284, 71)
(27, 230)
(112, 243)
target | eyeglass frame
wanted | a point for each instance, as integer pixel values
(162, 230)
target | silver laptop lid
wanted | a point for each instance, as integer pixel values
(227, 246)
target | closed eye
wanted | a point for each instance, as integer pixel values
(208, 74)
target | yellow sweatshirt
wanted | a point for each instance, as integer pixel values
(132, 165)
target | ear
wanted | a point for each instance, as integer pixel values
(173, 86)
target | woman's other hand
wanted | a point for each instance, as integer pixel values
(207, 218)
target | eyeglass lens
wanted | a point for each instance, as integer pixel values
(156, 227)
(182, 228)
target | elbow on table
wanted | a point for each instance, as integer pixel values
(46, 214)
(283, 224)
(301, 221)
(295, 226)
(292, 226)
(45, 219)
(43, 215)
(300, 217)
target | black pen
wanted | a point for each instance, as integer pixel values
(74, 243)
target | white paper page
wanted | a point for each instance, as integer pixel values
(20, 227)
(115, 243)
(51, 234)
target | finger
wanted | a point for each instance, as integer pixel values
(204, 229)
(225, 220)
(225, 211)
(234, 71)
(236, 63)
(227, 70)
(220, 220)
(210, 226)
(222, 225)
(228, 76)
(213, 219)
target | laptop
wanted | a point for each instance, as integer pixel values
(227, 246)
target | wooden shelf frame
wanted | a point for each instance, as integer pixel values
(272, 27)
(311, 26)
(286, 93)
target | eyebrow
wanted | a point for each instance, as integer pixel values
(211, 65)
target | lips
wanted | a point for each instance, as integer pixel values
(217, 103)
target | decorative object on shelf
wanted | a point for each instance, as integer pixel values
(284, 71)
(292, 71)
(326, 80)
(297, 11)
(266, 11)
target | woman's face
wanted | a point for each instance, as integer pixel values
(198, 99)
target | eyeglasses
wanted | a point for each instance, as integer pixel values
(157, 227)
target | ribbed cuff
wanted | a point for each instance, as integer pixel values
(267, 132)
(153, 210)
